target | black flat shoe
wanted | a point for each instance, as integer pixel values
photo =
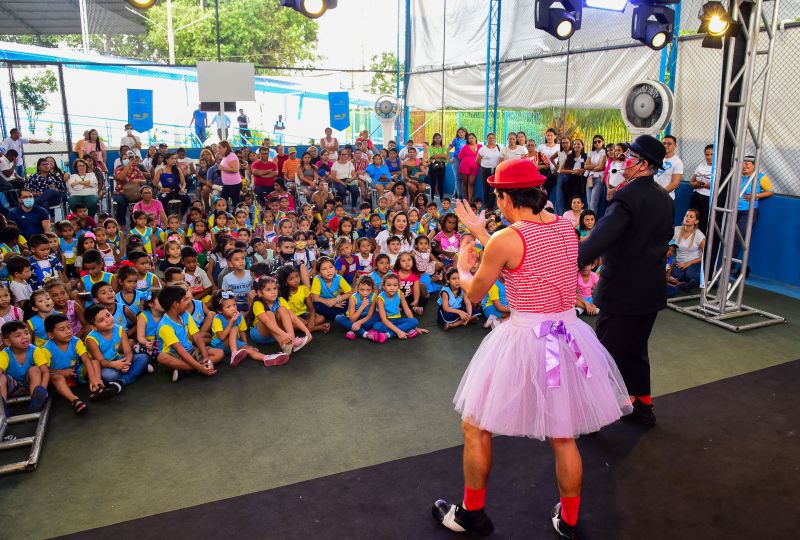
(642, 414)
(562, 528)
(455, 518)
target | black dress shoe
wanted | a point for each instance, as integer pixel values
(457, 519)
(562, 528)
(642, 414)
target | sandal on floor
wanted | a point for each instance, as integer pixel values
(79, 406)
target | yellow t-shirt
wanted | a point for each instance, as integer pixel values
(297, 300)
(168, 336)
(259, 308)
(39, 358)
(316, 285)
(492, 295)
(217, 325)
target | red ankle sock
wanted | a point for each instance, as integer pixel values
(647, 400)
(569, 509)
(474, 499)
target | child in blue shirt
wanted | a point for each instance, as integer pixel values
(182, 347)
(495, 304)
(70, 363)
(397, 320)
(361, 316)
(238, 280)
(109, 345)
(44, 265)
(454, 308)
(42, 306)
(23, 366)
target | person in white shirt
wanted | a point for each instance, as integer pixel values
(130, 139)
(549, 149)
(218, 120)
(595, 167)
(512, 151)
(701, 183)
(403, 154)
(14, 141)
(690, 244)
(488, 159)
(670, 176)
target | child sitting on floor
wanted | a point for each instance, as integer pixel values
(273, 321)
(397, 320)
(587, 281)
(182, 347)
(23, 367)
(361, 316)
(454, 309)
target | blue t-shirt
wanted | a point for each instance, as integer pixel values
(239, 286)
(200, 119)
(30, 223)
(43, 269)
(375, 173)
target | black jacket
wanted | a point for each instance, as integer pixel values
(632, 238)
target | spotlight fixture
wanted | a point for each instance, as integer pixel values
(142, 4)
(715, 23)
(313, 9)
(606, 5)
(559, 18)
(653, 24)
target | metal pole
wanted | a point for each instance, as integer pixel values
(488, 72)
(84, 26)
(397, 56)
(566, 91)
(170, 34)
(67, 130)
(444, 50)
(216, 14)
(406, 74)
(496, 66)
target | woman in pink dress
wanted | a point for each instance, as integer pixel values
(543, 374)
(468, 169)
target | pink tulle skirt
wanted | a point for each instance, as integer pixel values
(514, 386)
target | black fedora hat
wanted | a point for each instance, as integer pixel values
(650, 149)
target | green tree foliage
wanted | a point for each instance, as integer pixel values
(258, 31)
(384, 83)
(32, 92)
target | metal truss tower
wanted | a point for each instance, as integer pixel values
(492, 67)
(740, 131)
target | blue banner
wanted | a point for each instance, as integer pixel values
(340, 110)
(140, 109)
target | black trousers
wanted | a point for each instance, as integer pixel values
(489, 199)
(625, 337)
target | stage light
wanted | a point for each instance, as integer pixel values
(313, 9)
(142, 4)
(559, 18)
(653, 25)
(608, 5)
(714, 20)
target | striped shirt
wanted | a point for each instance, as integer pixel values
(544, 282)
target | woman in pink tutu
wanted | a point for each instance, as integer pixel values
(543, 374)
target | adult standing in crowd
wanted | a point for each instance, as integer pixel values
(669, 177)
(279, 128)
(223, 124)
(93, 144)
(572, 168)
(30, 218)
(632, 239)
(231, 178)
(331, 144)
(488, 158)
(264, 173)
(47, 186)
(9, 181)
(130, 139)
(280, 158)
(200, 122)
(549, 149)
(15, 141)
(128, 179)
(468, 167)
(513, 150)
(557, 160)
(701, 184)
(244, 126)
(438, 163)
(762, 187)
(458, 142)
(596, 167)
(83, 186)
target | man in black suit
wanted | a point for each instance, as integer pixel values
(632, 238)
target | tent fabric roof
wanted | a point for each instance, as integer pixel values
(40, 17)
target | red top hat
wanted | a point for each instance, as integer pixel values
(516, 174)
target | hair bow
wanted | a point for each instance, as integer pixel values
(127, 263)
(227, 294)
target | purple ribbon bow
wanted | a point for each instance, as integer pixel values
(553, 331)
